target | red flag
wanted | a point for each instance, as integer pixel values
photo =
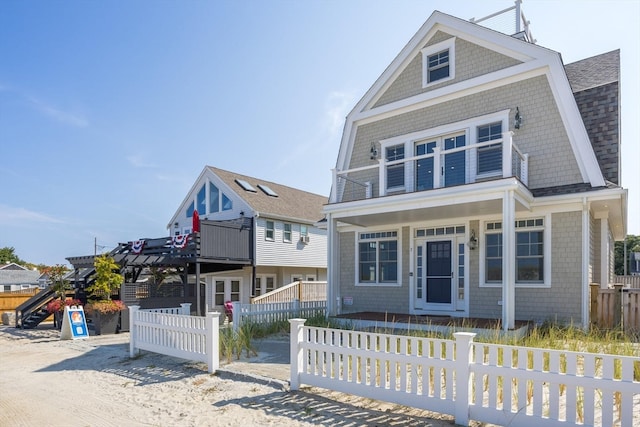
(196, 222)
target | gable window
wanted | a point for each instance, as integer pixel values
(490, 155)
(286, 233)
(438, 62)
(201, 200)
(529, 256)
(378, 257)
(227, 204)
(270, 231)
(438, 66)
(214, 198)
(190, 210)
(395, 171)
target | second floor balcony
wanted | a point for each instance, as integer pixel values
(433, 165)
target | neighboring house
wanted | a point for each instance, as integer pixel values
(478, 177)
(634, 263)
(287, 244)
(14, 277)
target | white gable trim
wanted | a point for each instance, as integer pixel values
(538, 61)
(208, 175)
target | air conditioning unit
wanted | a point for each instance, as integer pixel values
(304, 239)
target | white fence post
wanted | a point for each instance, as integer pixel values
(186, 308)
(297, 336)
(464, 357)
(236, 316)
(213, 350)
(133, 310)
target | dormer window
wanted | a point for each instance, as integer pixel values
(438, 62)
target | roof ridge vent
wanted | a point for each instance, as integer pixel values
(509, 21)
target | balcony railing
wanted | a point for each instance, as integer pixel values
(439, 167)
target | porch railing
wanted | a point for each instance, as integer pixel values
(301, 291)
(629, 281)
(438, 168)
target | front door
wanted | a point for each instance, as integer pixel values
(434, 275)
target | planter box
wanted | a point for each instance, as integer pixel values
(106, 323)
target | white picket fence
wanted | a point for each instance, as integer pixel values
(272, 312)
(179, 335)
(499, 384)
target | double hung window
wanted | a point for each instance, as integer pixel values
(395, 172)
(270, 230)
(438, 62)
(529, 256)
(378, 257)
(490, 156)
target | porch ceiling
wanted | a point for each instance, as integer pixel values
(417, 214)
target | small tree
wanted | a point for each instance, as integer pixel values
(107, 277)
(56, 275)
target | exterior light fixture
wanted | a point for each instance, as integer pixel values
(518, 119)
(374, 151)
(473, 241)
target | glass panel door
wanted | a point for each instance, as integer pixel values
(454, 163)
(424, 167)
(439, 272)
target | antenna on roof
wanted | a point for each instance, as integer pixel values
(500, 21)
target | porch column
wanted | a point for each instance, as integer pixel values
(586, 291)
(198, 311)
(508, 260)
(333, 267)
(604, 248)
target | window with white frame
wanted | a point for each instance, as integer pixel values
(448, 155)
(438, 62)
(530, 251)
(529, 256)
(286, 233)
(269, 230)
(378, 257)
(493, 252)
(490, 155)
(265, 284)
(395, 171)
(201, 200)
(304, 231)
(214, 198)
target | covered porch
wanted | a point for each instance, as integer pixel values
(444, 215)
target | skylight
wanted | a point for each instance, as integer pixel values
(246, 186)
(268, 191)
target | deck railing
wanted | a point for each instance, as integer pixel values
(490, 383)
(437, 168)
(301, 291)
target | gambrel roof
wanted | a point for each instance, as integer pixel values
(523, 61)
(594, 71)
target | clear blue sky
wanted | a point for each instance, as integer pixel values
(109, 110)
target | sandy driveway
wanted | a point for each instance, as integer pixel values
(92, 382)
